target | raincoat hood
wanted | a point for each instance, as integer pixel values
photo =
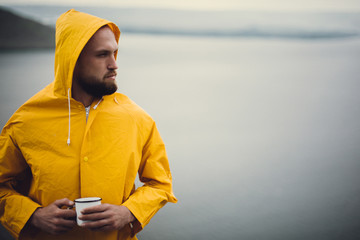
(73, 30)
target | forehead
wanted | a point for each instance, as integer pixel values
(103, 39)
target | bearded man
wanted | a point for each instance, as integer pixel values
(79, 138)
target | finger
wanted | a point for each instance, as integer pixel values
(66, 223)
(66, 213)
(107, 227)
(61, 226)
(94, 209)
(63, 202)
(94, 216)
(96, 224)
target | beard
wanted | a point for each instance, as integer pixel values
(96, 87)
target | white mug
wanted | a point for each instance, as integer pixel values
(82, 203)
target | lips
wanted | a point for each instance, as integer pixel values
(111, 75)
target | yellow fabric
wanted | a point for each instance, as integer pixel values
(119, 140)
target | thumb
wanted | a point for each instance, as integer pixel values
(63, 202)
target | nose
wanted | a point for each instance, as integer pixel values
(112, 65)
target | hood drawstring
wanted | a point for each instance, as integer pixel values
(68, 140)
(116, 100)
(96, 105)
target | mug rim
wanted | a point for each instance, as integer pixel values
(87, 199)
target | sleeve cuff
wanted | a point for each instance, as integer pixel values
(16, 228)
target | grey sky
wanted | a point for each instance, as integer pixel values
(343, 5)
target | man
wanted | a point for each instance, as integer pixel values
(78, 138)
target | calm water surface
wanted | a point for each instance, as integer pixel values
(262, 135)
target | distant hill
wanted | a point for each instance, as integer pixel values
(17, 32)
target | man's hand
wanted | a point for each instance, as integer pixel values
(106, 217)
(53, 219)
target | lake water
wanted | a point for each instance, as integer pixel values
(262, 135)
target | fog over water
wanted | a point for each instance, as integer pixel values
(262, 134)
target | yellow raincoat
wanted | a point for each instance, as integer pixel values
(102, 159)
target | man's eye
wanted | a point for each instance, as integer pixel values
(102, 55)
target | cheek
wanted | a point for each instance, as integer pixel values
(90, 68)
(98, 65)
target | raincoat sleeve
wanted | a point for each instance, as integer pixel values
(15, 176)
(154, 172)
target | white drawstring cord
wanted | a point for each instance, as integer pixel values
(97, 103)
(68, 140)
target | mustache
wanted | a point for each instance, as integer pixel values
(110, 74)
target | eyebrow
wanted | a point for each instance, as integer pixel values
(106, 50)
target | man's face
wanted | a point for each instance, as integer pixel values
(95, 70)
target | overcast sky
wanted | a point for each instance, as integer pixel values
(341, 5)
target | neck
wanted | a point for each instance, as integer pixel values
(80, 95)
